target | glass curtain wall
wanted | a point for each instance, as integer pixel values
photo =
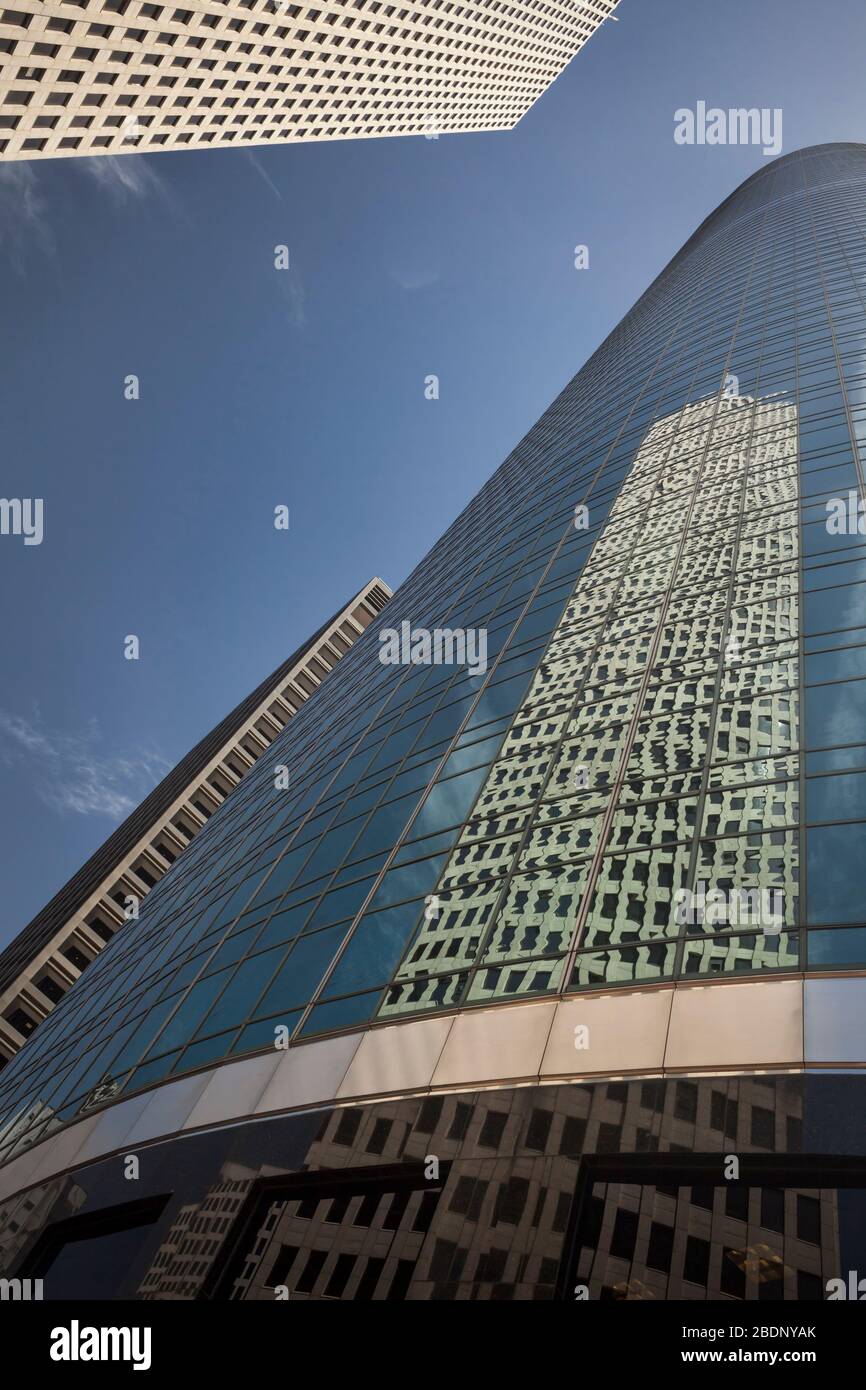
(670, 570)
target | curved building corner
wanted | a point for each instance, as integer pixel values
(560, 906)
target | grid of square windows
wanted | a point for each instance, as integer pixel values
(85, 77)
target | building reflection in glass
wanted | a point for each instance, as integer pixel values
(656, 748)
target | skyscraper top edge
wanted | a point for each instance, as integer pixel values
(718, 216)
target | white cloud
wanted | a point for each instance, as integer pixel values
(123, 176)
(23, 214)
(253, 159)
(70, 772)
(26, 213)
(410, 277)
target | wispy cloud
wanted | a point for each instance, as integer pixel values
(26, 212)
(71, 773)
(123, 176)
(127, 178)
(23, 214)
(413, 277)
(253, 159)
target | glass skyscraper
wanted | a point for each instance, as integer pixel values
(526, 945)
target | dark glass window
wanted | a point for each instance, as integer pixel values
(773, 1209)
(696, 1265)
(660, 1249)
(835, 886)
(624, 1234)
(732, 1280)
(492, 1129)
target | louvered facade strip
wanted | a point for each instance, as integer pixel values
(47, 957)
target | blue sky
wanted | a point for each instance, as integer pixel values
(258, 387)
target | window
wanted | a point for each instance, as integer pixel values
(773, 1209)
(492, 1129)
(696, 1265)
(277, 1230)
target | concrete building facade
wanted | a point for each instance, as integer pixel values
(90, 77)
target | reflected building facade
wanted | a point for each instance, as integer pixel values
(612, 872)
(569, 1192)
(664, 712)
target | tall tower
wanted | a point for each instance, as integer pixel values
(92, 77)
(564, 884)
